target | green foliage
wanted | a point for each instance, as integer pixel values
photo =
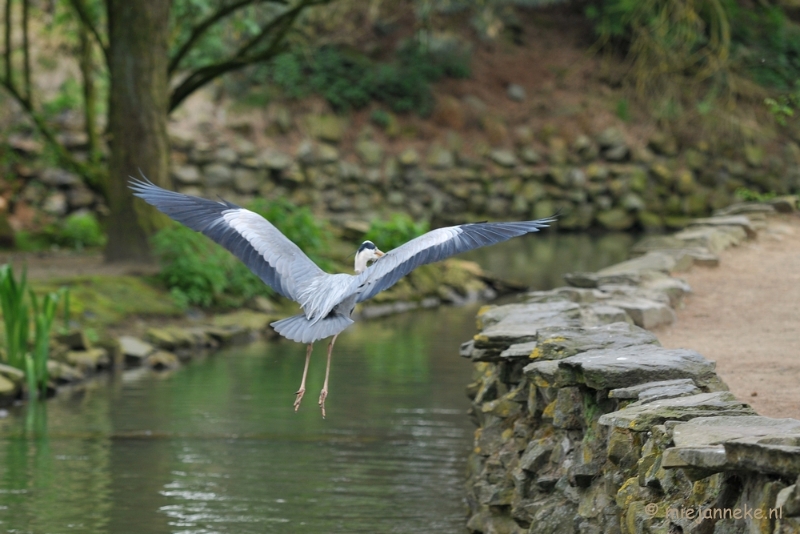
(400, 229)
(708, 39)
(298, 224)
(78, 231)
(221, 39)
(68, 98)
(15, 315)
(766, 44)
(36, 361)
(350, 80)
(380, 118)
(749, 195)
(784, 106)
(16, 319)
(199, 272)
(623, 110)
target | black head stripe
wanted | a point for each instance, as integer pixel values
(366, 245)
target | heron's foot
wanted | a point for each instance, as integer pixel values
(322, 396)
(300, 393)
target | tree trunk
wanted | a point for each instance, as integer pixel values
(138, 59)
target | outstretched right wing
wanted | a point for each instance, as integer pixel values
(249, 236)
(434, 246)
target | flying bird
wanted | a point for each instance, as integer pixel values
(327, 300)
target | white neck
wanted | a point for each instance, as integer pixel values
(361, 262)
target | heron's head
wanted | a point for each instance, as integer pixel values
(366, 253)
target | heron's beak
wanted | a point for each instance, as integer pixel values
(378, 253)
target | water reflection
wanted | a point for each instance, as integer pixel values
(217, 448)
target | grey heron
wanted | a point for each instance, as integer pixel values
(327, 300)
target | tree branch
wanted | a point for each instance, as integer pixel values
(201, 76)
(201, 28)
(92, 175)
(89, 93)
(86, 20)
(7, 51)
(26, 52)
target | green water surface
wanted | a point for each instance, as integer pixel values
(216, 447)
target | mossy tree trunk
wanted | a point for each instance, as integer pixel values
(138, 99)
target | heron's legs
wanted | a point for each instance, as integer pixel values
(324, 393)
(302, 390)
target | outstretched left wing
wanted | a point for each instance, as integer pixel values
(251, 238)
(435, 246)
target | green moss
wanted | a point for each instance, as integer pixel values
(105, 300)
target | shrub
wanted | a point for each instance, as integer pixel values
(298, 224)
(79, 230)
(750, 195)
(400, 229)
(707, 39)
(348, 79)
(199, 272)
(380, 118)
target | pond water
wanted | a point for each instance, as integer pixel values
(215, 447)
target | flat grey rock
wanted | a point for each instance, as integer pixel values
(583, 280)
(132, 347)
(645, 313)
(715, 430)
(700, 255)
(519, 350)
(674, 288)
(637, 292)
(731, 220)
(521, 323)
(556, 343)
(567, 293)
(628, 366)
(633, 392)
(711, 458)
(624, 367)
(651, 261)
(643, 417)
(778, 454)
(599, 314)
(751, 443)
(660, 392)
(715, 239)
(745, 208)
(549, 373)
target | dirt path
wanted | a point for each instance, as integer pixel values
(47, 265)
(745, 315)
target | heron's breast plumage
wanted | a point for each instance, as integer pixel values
(322, 294)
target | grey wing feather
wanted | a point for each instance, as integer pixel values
(435, 246)
(251, 238)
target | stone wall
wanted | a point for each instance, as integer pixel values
(599, 180)
(586, 424)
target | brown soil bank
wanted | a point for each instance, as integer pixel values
(746, 316)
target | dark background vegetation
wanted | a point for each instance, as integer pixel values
(693, 65)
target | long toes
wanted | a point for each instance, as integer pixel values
(322, 396)
(300, 393)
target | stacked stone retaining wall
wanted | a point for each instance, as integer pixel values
(587, 425)
(603, 180)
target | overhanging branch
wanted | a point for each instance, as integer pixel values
(94, 178)
(201, 28)
(86, 20)
(278, 26)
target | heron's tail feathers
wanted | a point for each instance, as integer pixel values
(299, 328)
